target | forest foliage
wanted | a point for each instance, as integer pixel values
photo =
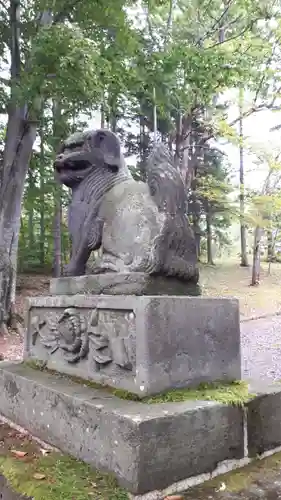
(120, 64)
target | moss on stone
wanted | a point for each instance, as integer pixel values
(232, 393)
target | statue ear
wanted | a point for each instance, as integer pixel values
(109, 150)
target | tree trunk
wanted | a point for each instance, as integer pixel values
(209, 239)
(42, 196)
(58, 134)
(57, 265)
(197, 234)
(31, 240)
(154, 117)
(19, 140)
(185, 144)
(270, 248)
(256, 257)
(272, 244)
(243, 230)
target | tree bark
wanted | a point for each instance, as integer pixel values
(243, 229)
(256, 257)
(42, 196)
(57, 265)
(270, 248)
(58, 133)
(31, 240)
(154, 116)
(210, 259)
(19, 140)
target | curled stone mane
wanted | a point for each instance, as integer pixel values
(99, 181)
(160, 154)
(88, 195)
(165, 183)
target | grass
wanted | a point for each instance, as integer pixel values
(52, 476)
(228, 279)
(55, 476)
(232, 393)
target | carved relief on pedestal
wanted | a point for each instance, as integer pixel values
(111, 340)
(102, 336)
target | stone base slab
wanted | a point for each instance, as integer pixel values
(122, 284)
(264, 418)
(144, 345)
(147, 447)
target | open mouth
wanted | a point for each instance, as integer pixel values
(63, 166)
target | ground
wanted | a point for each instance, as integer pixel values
(231, 280)
(42, 473)
(261, 479)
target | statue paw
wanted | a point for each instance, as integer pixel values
(71, 270)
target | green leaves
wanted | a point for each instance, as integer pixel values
(64, 64)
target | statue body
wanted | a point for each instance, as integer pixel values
(138, 227)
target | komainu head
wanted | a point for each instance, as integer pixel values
(84, 151)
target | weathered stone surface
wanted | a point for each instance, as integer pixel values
(122, 284)
(148, 447)
(138, 226)
(264, 418)
(141, 344)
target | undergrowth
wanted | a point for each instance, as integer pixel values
(62, 478)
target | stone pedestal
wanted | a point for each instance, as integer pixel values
(147, 447)
(143, 344)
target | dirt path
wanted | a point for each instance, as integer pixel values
(261, 348)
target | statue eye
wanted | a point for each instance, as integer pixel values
(101, 137)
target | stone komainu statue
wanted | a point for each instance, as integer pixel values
(139, 227)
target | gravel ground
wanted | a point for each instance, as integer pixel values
(265, 488)
(261, 348)
(11, 348)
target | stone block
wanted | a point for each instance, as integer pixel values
(122, 284)
(264, 418)
(141, 344)
(147, 447)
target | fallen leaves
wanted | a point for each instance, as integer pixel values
(174, 497)
(44, 451)
(19, 453)
(222, 487)
(39, 476)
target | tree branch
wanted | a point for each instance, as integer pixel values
(216, 23)
(2, 4)
(234, 37)
(267, 65)
(60, 16)
(169, 22)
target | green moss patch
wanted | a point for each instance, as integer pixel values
(51, 476)
(232, 393)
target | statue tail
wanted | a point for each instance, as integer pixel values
(165, 183)
(174, 252)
